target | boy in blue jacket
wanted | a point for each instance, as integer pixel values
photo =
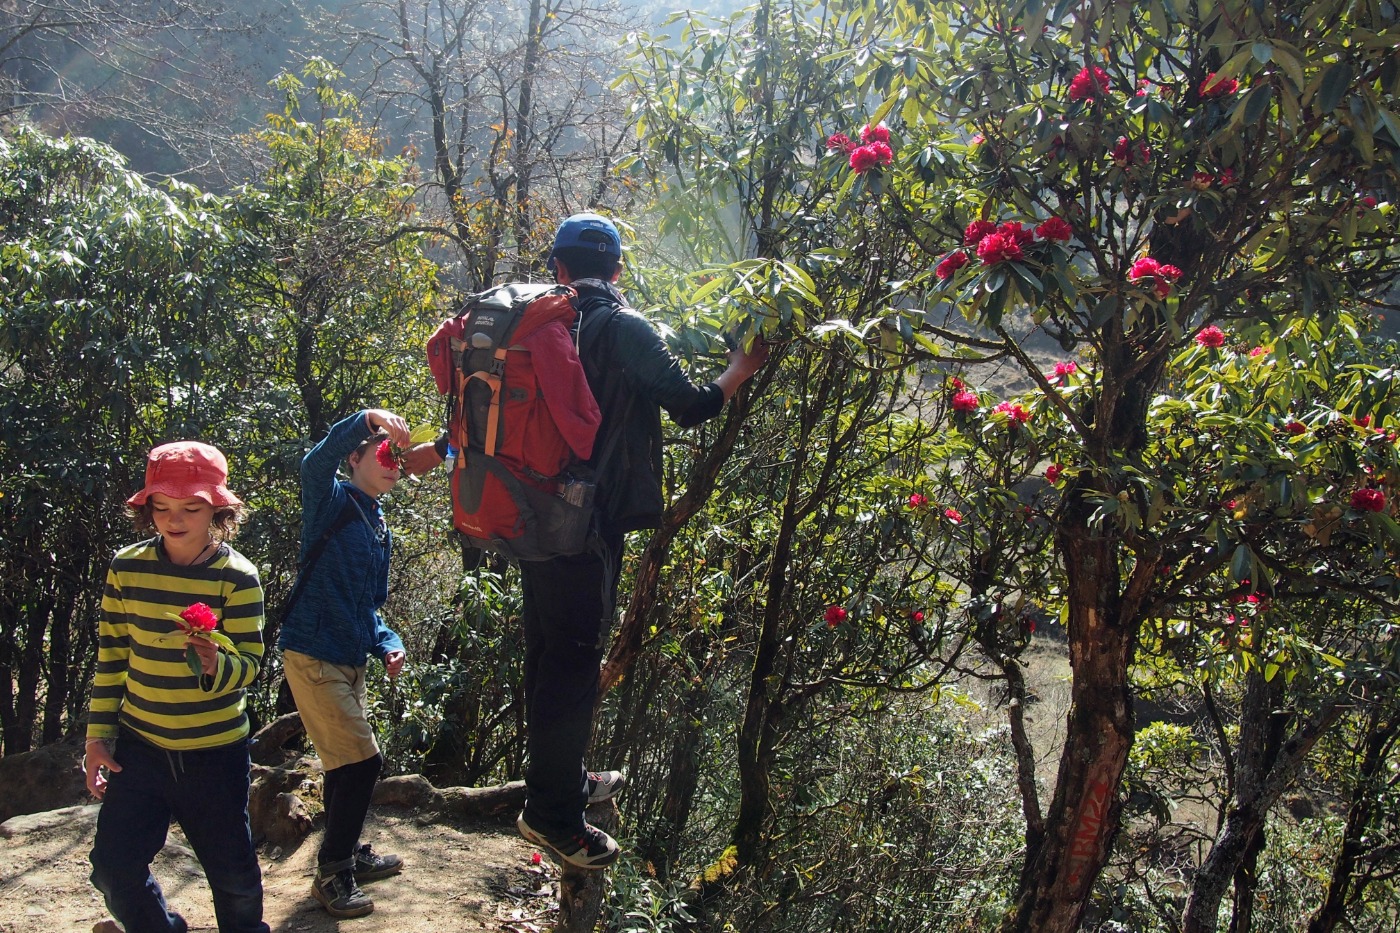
(331, 628)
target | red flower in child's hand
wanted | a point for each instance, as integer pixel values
(384, 454)
(1368, 500)
(199, 618)
(835, 615)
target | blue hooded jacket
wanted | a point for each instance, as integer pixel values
(336, 618)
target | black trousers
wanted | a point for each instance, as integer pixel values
(568, 610)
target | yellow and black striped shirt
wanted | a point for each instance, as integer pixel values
(143, 682)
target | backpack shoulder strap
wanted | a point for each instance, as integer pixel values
(348, 513)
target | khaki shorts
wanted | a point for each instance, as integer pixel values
(331, 700)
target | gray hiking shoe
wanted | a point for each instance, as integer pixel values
(605, 785)
(591, 848)
(337, 891)
(371, 866)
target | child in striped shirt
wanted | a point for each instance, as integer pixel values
(165, 740)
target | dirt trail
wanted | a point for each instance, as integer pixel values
(458, 877)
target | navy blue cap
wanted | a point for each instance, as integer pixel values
(591, 232)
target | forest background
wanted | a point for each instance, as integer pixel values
(1079, 352)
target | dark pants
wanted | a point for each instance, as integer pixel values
(206, 791)
(346, 793)
(568, 609)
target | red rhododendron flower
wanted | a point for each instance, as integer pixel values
(839, 142)
(1295, 428)
(884, 155)
(874, 134)
(1055, 228)
(965, 402)
(199, 618)
(863, 159)
(1144, 267)
(1218, 87)
(1053, 471)
(1088, 84)
(955, 383)
(1142, 87)
(951, 264)
(1212, 337)
(1016, 413)
(1066, 368)
(1202, 180)
(1368, 500)
(1256, 351)
(977, 230)
(998, 247)
(1017, 231)
(1369, 202)
(1125, 153)
(1363, 422)
(917, 500)
(953, 515)
(977, 139)
(1160, 276)
(916, 615)
(384, 454)
(535, 858)
(835, 615)
(1226, 179)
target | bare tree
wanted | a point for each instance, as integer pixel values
(170, 83)
(510, 106)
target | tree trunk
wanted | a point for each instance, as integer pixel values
(1261, 776)
(1083, 817)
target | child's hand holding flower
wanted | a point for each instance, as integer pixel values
(199, 625)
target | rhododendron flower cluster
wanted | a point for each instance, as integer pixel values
(917, 615)
(874, 151)
(951, 264)
(386, 455)
(835, 615)
(1295, 428)
(198, 617)
(1054, 228)
(1227, 178)
(1202, 180)
(1368, 500)
(1161, 276)
(965, 401)
(977, 230)
(1363, 422)
(1211, 337)
(1015, 413)
(918, 500)
(1002, 246)
(1053, 471)
(840, 142)
(1066, 368)
(1125, 153)
(1214, 86)
(953, 515)
(1089, 84)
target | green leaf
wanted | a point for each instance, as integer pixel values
(1242, 563)
(192, 659)
(1256, 103)
(1261, 51)
(1335, 83)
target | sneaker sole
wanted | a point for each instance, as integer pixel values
(342, 912)
(534, 838)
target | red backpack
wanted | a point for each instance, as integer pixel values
(522, 419)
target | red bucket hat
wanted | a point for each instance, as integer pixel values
(186, 470)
